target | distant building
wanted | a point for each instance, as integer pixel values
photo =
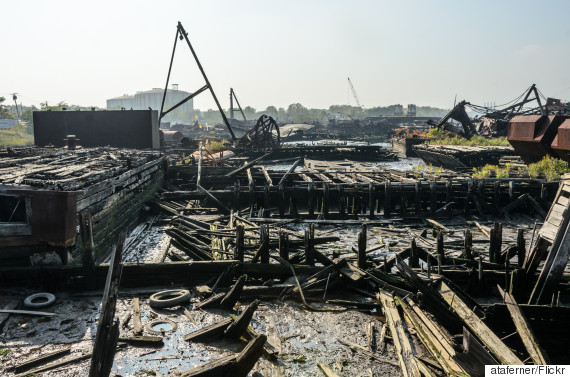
(153, 99)
(7, 123)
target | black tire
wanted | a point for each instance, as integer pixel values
(48, 299)
(170, 298)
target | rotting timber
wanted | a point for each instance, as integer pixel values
(329, 266)
(248, 232)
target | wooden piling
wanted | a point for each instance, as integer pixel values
(309, 245)
(387, 197)
(468, 245)
(86, 231)
(326, 196)
(414, 256)
(239, 249)
(439, 246)
(362, 247)
(521, 247)
(371, 200)
(264, 238)
(311, 189)
(284, 245)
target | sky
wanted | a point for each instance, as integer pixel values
(283, 52)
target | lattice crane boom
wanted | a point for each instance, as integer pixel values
(354, 93)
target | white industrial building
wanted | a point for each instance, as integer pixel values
(153, 99)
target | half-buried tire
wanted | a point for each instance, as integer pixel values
(39, 300)
(170, 298)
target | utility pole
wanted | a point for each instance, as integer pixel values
(15, 98)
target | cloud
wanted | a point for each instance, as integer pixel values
(527, 50)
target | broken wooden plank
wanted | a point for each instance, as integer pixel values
(247, 165)
(209, 332)
(408, 362)
(326, 369)
(479, 328)
(538, 355)
(42, 359)
(137, 324)
(27, 312)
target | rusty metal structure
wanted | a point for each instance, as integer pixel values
(265, 134)
(535, 136)
(493, 121)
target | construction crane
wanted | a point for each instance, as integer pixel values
(354, 93)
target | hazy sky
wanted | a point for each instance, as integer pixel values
(283, 52)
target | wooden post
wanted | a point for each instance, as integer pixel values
(281, 200)
(440, 250)
(341, 201)
(198, 176)
(284, 245)
(507, 274)
(439, 258)
(414, 256)
(418, 201)
(449, 197)
(468, 244)
(362, 247)
(497, 193)
(309, 246)
(264, 234)
(511, 191)
(107, 335)
(521, 247)
(239, 251)
(402, 196)
(492, 247)
(499, 240)
(387, 197)
(371, 200)
(326, 195)
(311, 189)
(433, 196)
(86, 231)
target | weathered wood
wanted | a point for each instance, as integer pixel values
(479, 328)
(220, 205)
(382, 341)
(404, 349)
(246, 166)
(527, 336)
(153, 341)
(211, 332)
(199, 174)
(233, 294)
(216, 368)
(370, 336)
(365, 351)
(362, 247)
(521, 247)
(25, 312)
(107, 334)
(326, 369)
(42, 359)
(438, 343)
(137, 324)
(291, 170)
(211, 302)
(283, 245)
(239, 326)
(239, 247)
(249, 356)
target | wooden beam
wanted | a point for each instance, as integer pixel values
(537, 354)
(408, 362)
(478, 327)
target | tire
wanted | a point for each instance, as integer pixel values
(48, 300)
(170, 298)
(151, 324)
